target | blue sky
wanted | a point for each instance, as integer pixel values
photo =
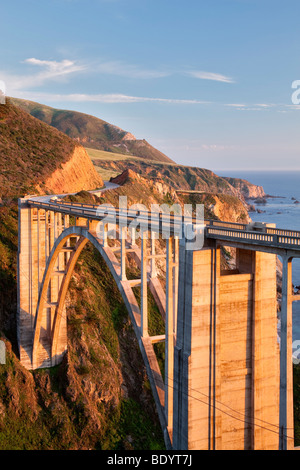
(208, 82)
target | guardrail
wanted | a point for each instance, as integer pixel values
(215, 229)
(55, 205)
(258, 238)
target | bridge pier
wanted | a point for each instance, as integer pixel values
(226, 365)
(286, 438)
(38, 230)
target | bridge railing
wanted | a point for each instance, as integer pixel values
(140, 212)
(158, 222)
(278, 231)
(260, 238)
(213, 228)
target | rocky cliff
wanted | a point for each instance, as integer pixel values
(181, 177)
(143, 190)
(247, 189)
(77, 174)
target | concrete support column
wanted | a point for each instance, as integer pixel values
(132, 235)
(123, 233)
(144, 289)
(286, 416)
(66, 225)
(46, 234)
(105, 230)
(66, 221)
(215, 353)
(38, 245)
(25, 318)
(264, 369)
(41, 245)
(53, 293)
(51, 231)
(153, 271)
(169, 345)
(175, 282)
(55, 226)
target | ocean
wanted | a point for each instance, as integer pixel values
(281, 210)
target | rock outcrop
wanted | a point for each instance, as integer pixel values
(77, 174)
(248, 190)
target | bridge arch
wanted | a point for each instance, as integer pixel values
(84, 235)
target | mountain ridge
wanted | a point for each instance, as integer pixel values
(91, 131)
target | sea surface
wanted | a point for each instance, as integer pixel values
(281, 210)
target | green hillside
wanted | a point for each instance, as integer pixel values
(91, 131)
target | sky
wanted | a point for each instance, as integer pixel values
(207, 82)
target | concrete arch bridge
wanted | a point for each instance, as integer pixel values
(228, 383)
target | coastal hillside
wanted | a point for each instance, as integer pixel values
(92, 132)
(113, 150)
(179, 177)
(141, 190)
(35, 157)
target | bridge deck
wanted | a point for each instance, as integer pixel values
(268, 238)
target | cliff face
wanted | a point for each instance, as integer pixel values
(181, 177)
(217, 206)
(77, 174)
(247, 189)
(229, 209)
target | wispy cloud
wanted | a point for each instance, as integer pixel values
(217, 77)
(236, 105)
(43, 71)
(103, 98)
(279, 107)
(292, 106)
(53, 68)
(50, 70)
(123, 69)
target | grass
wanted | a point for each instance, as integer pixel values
(102, 155)
(98, 156)
(106, 174)
(132, 430)
(110, 156)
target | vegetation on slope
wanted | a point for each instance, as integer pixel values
(29, 151)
